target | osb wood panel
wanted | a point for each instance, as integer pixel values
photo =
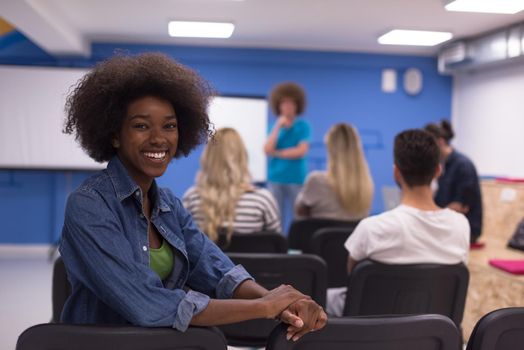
(490, 288)
(503, 208)
(489, 291)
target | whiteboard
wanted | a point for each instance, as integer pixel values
(32, 114)
(249, 117)
(32, 117)
(488, 119)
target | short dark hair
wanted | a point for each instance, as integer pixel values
(442, 130)
(416, 156)
(287, 90)
(97, 106)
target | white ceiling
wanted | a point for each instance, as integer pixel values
(69, 26)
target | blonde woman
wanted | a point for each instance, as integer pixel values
(345, 190)
(223, 199)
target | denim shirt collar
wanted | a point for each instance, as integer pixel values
(126, 187)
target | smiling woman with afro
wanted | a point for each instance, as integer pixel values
(133, 254)
(97, 106)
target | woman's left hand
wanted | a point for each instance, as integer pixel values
(303, 316)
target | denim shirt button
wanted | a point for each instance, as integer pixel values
(142, 216)
(144, 248)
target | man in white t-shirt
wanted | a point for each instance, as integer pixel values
(417, 231)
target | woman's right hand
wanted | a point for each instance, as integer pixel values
(278, 299)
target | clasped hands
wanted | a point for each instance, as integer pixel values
(299, 311)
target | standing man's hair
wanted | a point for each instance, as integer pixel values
(287, 90)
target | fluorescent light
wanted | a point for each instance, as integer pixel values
(513, 42)
(200, 29)
(414, 37)
(486, 6)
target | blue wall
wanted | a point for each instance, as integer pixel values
(340, 87)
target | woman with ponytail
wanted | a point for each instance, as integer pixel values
(345, 190)
(458, 186)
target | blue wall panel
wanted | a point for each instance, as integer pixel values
(340, 87)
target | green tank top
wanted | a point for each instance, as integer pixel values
(161, 260)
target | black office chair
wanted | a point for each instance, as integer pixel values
(328, 243)
(61, 289)
(307, 273)
(259, 242)
(412, 332)
(54, 336)
(501, 329)
(380, 289)
(301, 231)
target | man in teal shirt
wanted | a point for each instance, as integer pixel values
(286, 146)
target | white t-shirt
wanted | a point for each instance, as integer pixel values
(406, 235)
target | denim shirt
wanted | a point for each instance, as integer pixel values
(105, 249)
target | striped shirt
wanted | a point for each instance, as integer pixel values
(255, 211)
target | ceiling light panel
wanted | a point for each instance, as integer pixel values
(414, 37)
(200, 29)
(486, 6)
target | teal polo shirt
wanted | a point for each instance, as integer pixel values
(290, 171)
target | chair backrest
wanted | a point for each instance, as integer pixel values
(53, 336)
(301, 231)
(413, 332)
(61, 289)
(501, 329)
(306, 273)
(380, 289)
(328, 243)
(258, 242)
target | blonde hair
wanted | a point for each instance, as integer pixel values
(222, 179)
(348, 171)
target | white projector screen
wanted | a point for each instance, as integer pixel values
(249, 117)
(31, 119)
(32, 115)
